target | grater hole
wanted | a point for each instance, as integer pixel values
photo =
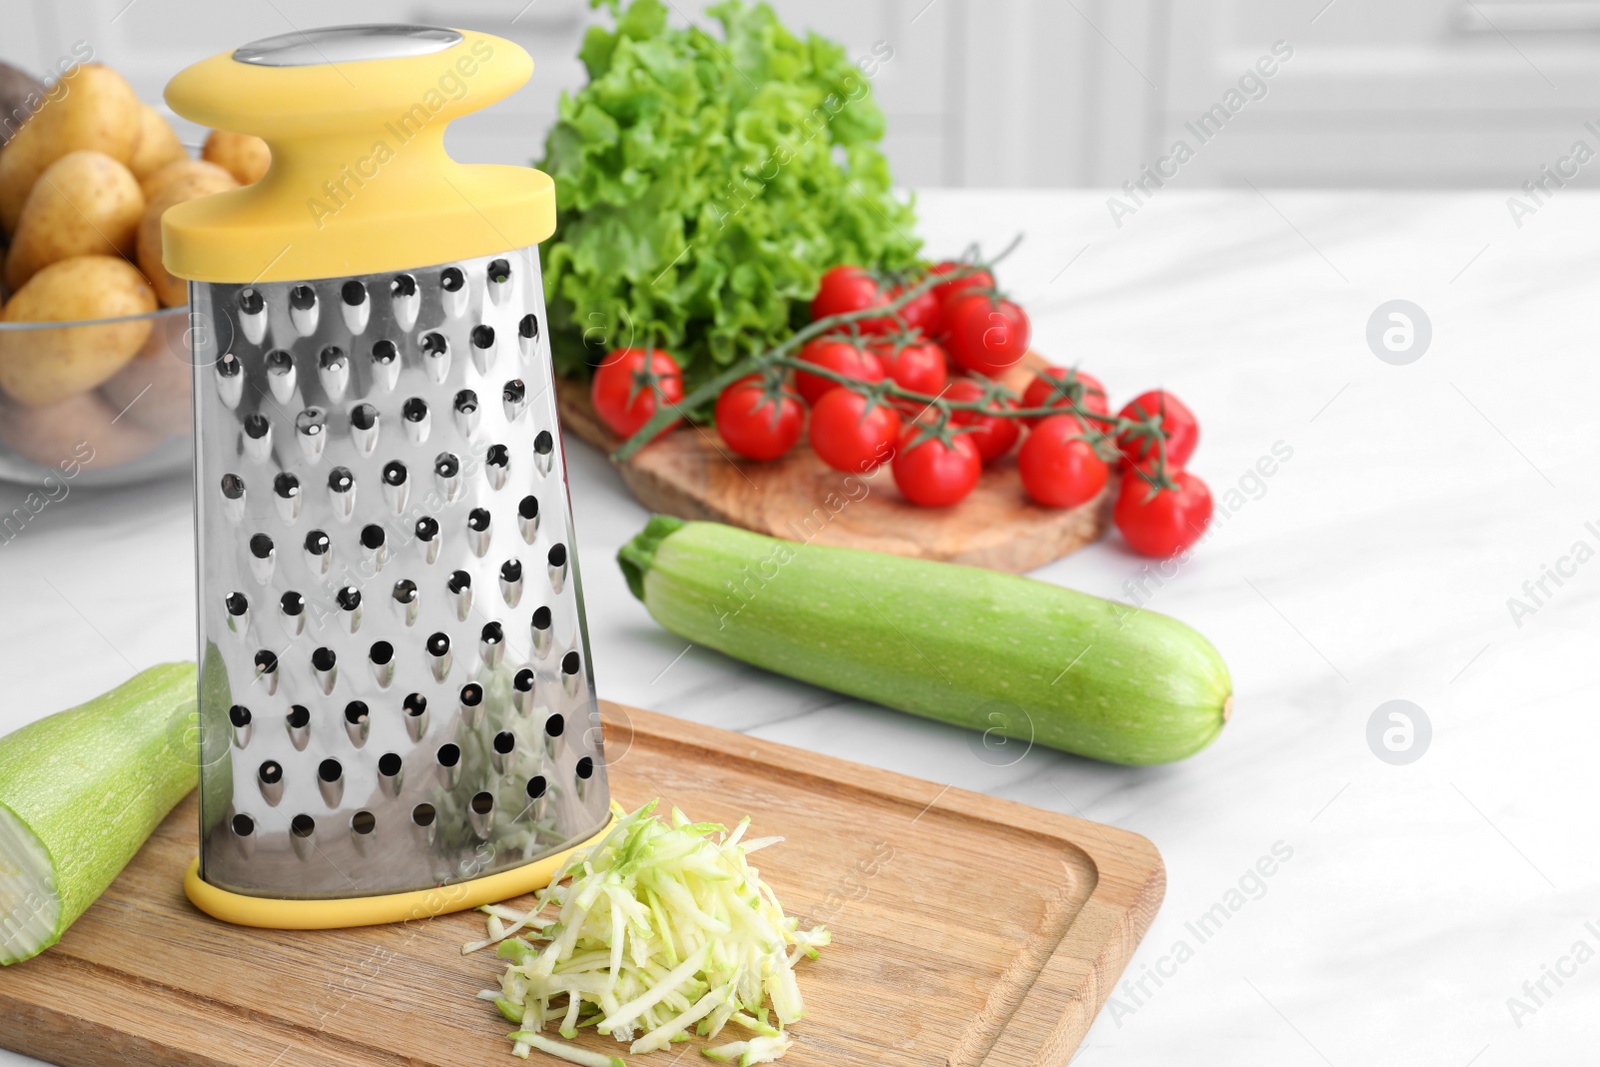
(483, 336)
(310, 421)
(329, 770)
(266, 661)
(414, 410)
(446, 465)
(536, 787)
(403, 285)
(232, 486)
(363, 416)
(472, 694)
(555, 725)
(256, 426)
(394, 473)
(427, 528)
(585, 769)
(405, 591)
(504, 742)
(271, 772)
(389, 764)
(340, 480)
(493, 634)
(434, 344)
(511, 571)
(466, 402)
(528, 507)
(498, 456)
(244, 825)
(439, 644)
(372, 536)
(558, 555)
(355, 712)
(332, 358)
(260, 546)
(228, 366)
(323, 658)
(239, 715)
(483, 803)
(529, 326)
(459, 582)
(251, 301)
(318, 543)
(570, 663)
(415, 704)
(237, 604)
(349, 599)
(449, 754)
(385, 352)
(381, 653)
(279, 362)
(478, 519)
(499, 271)
(363, 822)
(303, 826)
(353, 293)
(541, 619)
(514, 391)
(292, 603)
(524, 680)
(452, 279)
(299, 717)
(423, 814)
(286, 486)
(302, 298)
(544, 444)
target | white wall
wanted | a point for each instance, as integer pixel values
(1423, 93)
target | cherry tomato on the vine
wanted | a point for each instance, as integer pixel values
(936, 472)
(913, 362)
(845, 289)
(1057, 387)
(1059, 468)
(985, 333)
(842, 355)
(849, 435)
(1166, 523)
(944, 292)
(756, 422)
(1178, 426)
(625, 387)
(993, 435)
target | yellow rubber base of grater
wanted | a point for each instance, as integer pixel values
(273, 914)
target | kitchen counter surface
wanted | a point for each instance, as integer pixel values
(1406, 904)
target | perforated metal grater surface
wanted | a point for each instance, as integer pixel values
(395, 689)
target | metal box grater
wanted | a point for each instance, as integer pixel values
(395, 691)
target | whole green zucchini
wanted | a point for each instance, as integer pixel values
(80, 791)
(977, 648)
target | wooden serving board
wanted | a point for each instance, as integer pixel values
(690, 473)
(967, 931)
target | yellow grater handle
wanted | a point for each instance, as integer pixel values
(360, 182)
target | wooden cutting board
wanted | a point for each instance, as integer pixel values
(967, 931)
(690, 473)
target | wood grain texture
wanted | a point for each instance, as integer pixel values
(690, 473)
(967, 931)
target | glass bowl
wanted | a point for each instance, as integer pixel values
(133, 427)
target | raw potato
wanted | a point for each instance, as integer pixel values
(85, 203)
(83, 429)
(48, 366)
(21, 94)
(158, 144)
(153, 184)
(98, 110)
(172, 290)
(153, 391)
(243, 156)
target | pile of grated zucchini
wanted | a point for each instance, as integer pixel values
(664, 930)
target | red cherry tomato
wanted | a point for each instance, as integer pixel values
(944, 292)
(1178, 426)
(985, 334)
(849, 436)
(1169, 522)
(622, 388)
(846, 289)
(913, 362)
(840, 355)
(936, 473)
(755, 422)
(993, 435)
(1059, 468)
(1057, 387)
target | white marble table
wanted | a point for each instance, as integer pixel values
(1375, 564)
